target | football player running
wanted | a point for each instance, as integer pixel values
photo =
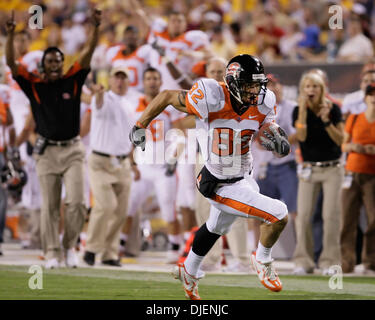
(227, 115)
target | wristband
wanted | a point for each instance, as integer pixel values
(326, 124)
(300, 125)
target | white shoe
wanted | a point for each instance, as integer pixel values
(52, 264)
(267, 274)
(71, 259)
(173, 256)
(189, 283)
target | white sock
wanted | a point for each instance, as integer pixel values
(192, 263)
(263, 254)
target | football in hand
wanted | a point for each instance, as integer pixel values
(265, 131)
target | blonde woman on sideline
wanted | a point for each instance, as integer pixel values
(319, 129)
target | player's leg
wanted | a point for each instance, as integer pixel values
(185, 200)
(188, 272)
(139, 192)
(165, 187)
(243, 199)
(212, 260)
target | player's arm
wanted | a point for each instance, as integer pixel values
(143, 20)
(9, 46)
(85, 58)
(176, 98)
(181, 78)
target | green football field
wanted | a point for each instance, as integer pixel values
(91, 284)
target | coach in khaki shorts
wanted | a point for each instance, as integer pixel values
(109, 168)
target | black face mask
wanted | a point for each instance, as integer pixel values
(255, 100)
(238, 107)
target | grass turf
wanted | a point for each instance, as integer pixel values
(93, 284)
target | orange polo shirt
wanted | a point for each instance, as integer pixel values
(362, 132)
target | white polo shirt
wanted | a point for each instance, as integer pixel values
(111, 124)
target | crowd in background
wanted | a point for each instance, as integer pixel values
(275, 31)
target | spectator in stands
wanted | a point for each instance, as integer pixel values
(222, 44)
(248, 42)
(270, 33)
(310, 45)
(357, 47)
(319, 128)
(353, 103)
(359, 184)
(290, 40)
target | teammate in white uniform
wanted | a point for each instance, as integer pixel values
(20, 107)
(181, 49)
(155, 173)
(228, 114)
(132, 56)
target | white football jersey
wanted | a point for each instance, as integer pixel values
(4, 105)
(30, 60)
(4, 93)
(193, 40)
(136, 62)
(224, 136)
